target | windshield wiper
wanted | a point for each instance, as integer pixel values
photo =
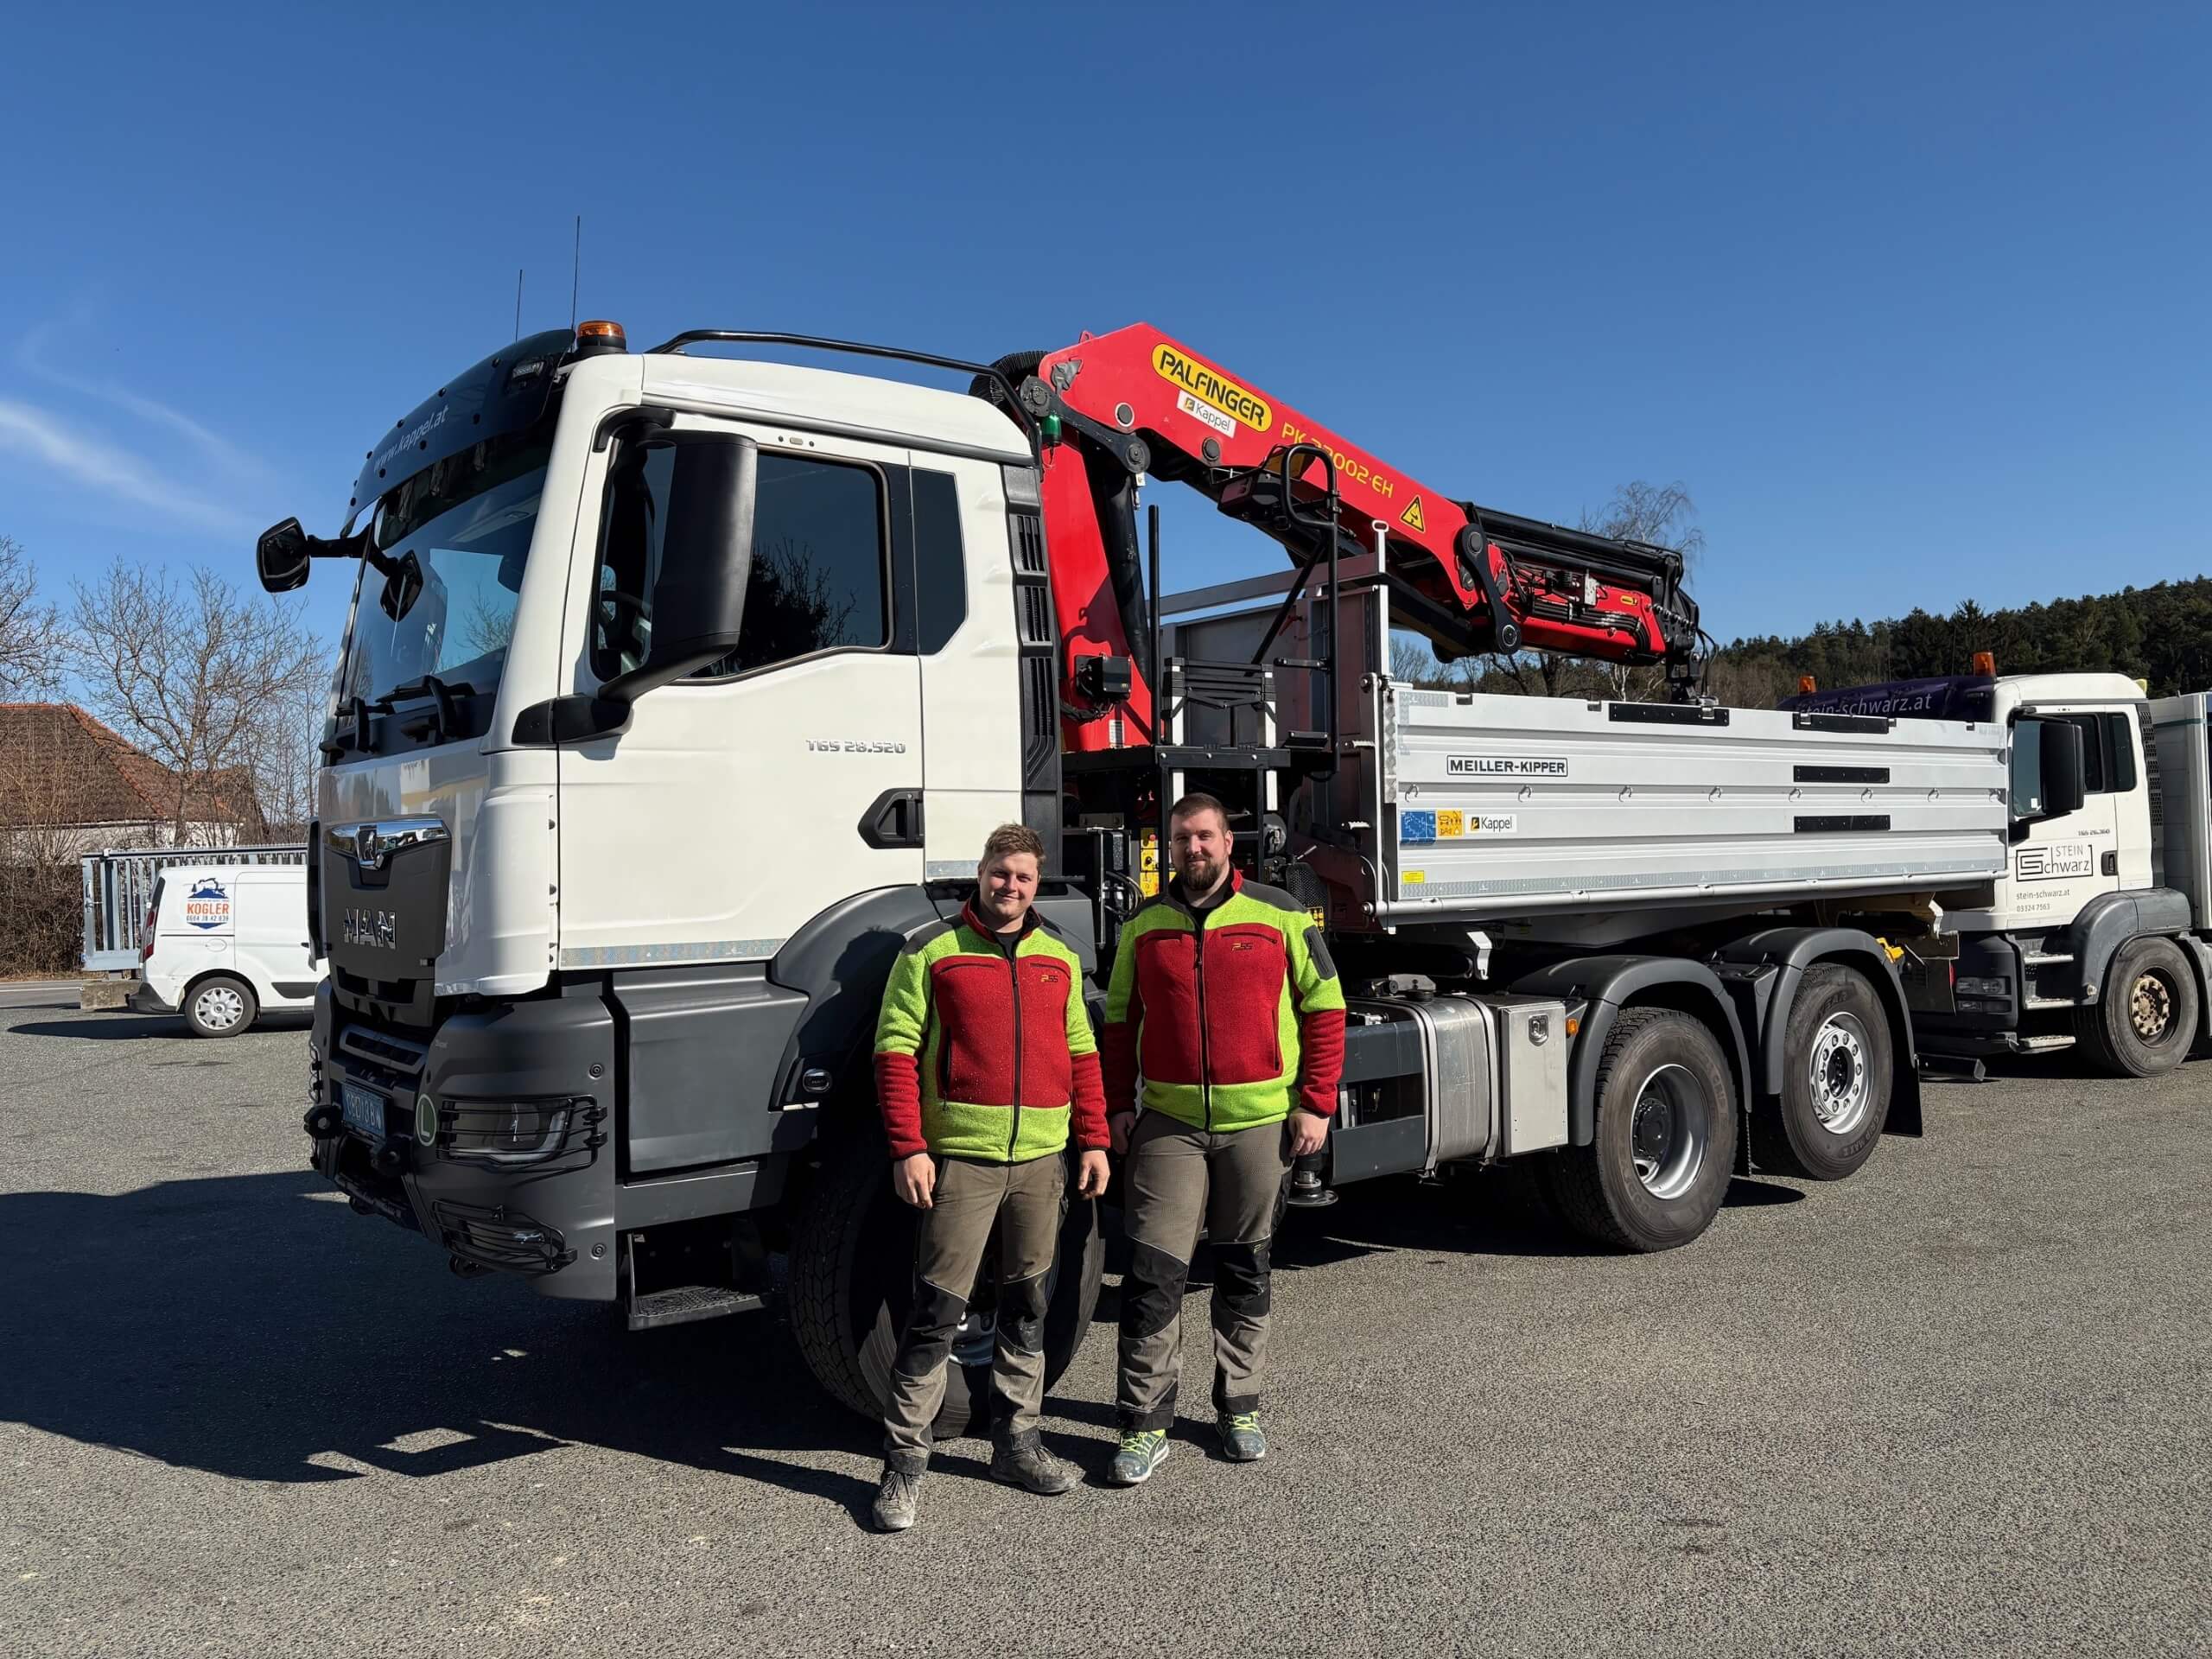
(341, 739)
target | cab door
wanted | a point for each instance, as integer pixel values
(743, 801)
(2063, 862)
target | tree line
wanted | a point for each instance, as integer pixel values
(2161, 635)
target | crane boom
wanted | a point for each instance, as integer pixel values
(1113, 407)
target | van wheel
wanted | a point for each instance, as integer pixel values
(1837, 1069)
(1654, 1175)
(852, 1274)
(2146, 1022)
(220, 1006)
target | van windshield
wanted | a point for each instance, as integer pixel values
(437, 598)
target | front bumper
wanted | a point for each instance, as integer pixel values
(551, 1220)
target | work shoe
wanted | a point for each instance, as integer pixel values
(1241, 1438)
(1141, 1452)
(898, 1495)
(1024, 1462)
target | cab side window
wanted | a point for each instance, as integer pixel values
(820, 574)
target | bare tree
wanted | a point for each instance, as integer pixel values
(1412, 663)
(279, 754)
(32, 644)
(192, 675)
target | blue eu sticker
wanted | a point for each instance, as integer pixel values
(1416, 829)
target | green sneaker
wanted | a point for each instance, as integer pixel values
(1241, 1438)
(1141, 1452)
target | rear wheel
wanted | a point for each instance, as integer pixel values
(2146, 1021)
(1654, 1175)
(1838, 1065)
(852, 1271)
(220, 1006)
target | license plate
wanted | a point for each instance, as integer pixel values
(364, 1109)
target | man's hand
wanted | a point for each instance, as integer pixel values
(914, 1180)
(1308, 1131)
(1092, 1172)
(1118, 1125)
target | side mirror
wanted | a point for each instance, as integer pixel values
(281, 556)
(2065, 768)
(699, 601)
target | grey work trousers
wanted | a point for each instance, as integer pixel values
(1177, 1176)
(1024, 1202)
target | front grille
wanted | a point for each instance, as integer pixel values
(384, 1050)
(500, 1237)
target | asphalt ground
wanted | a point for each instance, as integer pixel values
(1957, 1405)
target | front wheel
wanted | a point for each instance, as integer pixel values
(1655, 1173)
(220, 1006)
(852, 1276)
(2146, 1022)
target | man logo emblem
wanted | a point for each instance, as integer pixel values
(378, 929)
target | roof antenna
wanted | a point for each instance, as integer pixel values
(518, 304)
(575, 273)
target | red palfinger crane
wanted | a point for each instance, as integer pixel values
(1115, 407)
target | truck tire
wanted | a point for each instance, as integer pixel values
(852, 1267)
(1656, 1171)
(220, 1006)
(2146, 1021)
(1838, 1061)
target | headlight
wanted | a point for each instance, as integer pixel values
(507, 1132)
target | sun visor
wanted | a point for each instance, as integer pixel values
(506, 392)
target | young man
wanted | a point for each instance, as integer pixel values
(1225, 998)
(984, 1061)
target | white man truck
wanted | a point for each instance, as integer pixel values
(2096, 932)
(680, 689)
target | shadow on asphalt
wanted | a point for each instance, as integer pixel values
(128, 1027)
(251, 1327)
(248, 1326)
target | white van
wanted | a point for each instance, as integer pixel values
(223, 942)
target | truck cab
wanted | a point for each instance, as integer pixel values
(2092, 935)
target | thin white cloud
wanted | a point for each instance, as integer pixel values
(32, 354)
(36, 432)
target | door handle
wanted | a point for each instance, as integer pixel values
(893, 819)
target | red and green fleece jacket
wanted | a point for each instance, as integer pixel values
(1233, 1012)
(984, 1050)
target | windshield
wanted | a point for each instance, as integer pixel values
(438, 597)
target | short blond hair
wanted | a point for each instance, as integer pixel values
(1012, 838)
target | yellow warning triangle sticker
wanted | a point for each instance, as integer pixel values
(1411, 518)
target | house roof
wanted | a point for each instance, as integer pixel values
(59, 766)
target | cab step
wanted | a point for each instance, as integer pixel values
(684, 1304)
(2044, 1045)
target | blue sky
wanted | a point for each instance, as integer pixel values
(1912, 300)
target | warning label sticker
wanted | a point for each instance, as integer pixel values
(1201, 383)
(1412, 517)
